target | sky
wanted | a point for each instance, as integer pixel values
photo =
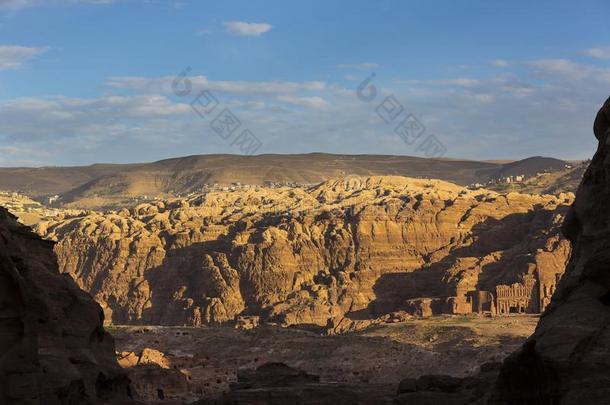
(86, 81)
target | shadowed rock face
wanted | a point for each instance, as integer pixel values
(278, 384)
(53, 348)
(330, 255)
(567, 360)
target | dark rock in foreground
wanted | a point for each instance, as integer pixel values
(279, 384)
(53, 348)
(447, 390)
(567, 360)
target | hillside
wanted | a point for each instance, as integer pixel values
(530, 167)
(108, 186)
(46, 181)
(563, 180)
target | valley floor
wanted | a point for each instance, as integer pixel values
(188, 363)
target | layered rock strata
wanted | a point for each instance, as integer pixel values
(336, 253)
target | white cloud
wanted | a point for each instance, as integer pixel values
(32, 118)
(309, 102)
(14, 56)
(247, 29)
(460, 81)
(501, 63)
(358, 66)
(561, 66)
(264, 87)
(13, 5)
(543, 107)
(164, 85)
(566, 69)
(599, 53)
(204, 31)
(16, 4)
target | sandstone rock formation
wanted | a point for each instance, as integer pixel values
(148, 357)
(566, 361)
(53, 347)
(329, 255)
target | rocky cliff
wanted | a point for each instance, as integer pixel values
(566, 360)
(328, 255)
(53, 347)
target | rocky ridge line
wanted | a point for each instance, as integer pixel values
(332, 255)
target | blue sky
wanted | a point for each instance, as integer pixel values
(85, 81)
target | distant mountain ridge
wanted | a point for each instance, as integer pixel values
(532, 166)
(104, 185)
